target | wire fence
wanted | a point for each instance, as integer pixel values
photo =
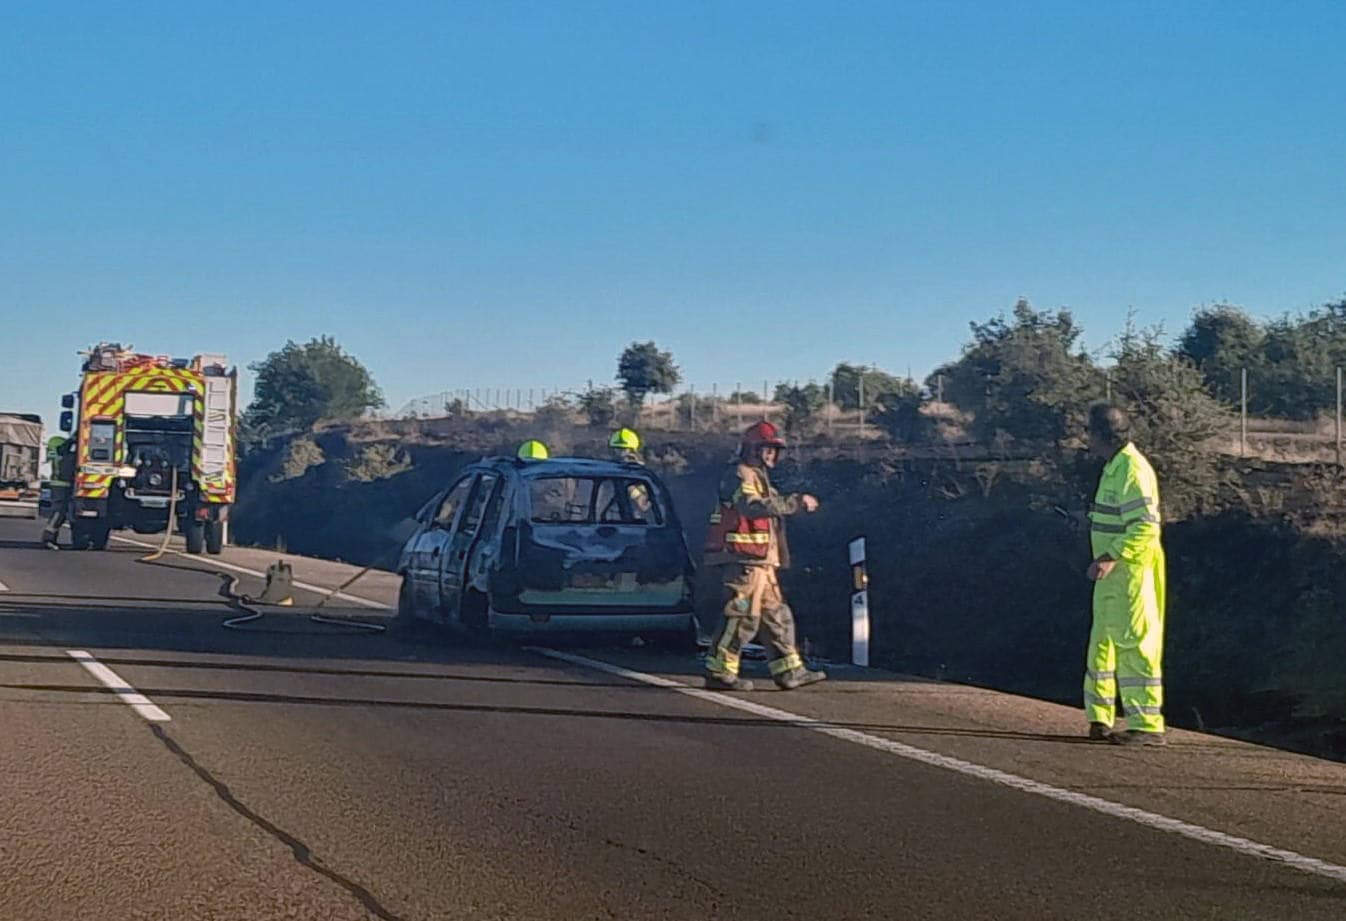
(690, 408)
(718, 407)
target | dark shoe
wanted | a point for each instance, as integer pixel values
(728, 683)
(1136, 737)
(1100, 732)
(798, 677)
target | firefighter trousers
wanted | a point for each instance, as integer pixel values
(753, 604)
(60, 511)
(1126, 646)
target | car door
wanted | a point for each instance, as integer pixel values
(429, 553)
(454, 564)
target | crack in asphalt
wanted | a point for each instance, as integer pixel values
(303, 854)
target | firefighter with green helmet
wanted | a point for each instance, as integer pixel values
(61, 454)
(624, 446)
(533, 450)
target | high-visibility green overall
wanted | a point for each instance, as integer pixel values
(1126, 645)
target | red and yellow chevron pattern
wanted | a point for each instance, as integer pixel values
(103, 399)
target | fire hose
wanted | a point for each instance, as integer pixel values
(243, 602)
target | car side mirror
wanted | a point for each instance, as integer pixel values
(67, 422)
(68, 401)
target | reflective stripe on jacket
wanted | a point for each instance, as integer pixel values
(745, 525)
(1124, 521)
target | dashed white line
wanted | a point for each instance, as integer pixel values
(216, 563)
(1004, 778)
(3, 586)
(115, 683)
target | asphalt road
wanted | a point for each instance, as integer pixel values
(307, 771)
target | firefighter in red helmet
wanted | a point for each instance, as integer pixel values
(747, 542)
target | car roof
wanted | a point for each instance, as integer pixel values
(566, 466)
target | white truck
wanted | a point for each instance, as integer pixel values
(20, 455)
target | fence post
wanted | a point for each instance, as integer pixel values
(829, 406)
(766, 401)
(1338, 418)
(939, 389)
(860, 398)
(691, 407)
(1243, 413)
(738, 405)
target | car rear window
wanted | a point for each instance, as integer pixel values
(593, 500)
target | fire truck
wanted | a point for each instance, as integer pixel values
(153, 434)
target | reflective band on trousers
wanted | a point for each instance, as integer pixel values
(1099, 702)
(1104, 676)
(786, 664)
(1141, 683)
(1148, 711)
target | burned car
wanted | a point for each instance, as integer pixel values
(561, 545)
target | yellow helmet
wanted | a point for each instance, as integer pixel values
(533, 450)
(624, 440)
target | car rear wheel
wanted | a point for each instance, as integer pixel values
(405, 618)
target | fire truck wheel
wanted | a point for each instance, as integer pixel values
(195, 533)
(214, 537)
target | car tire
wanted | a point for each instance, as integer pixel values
(404, 621)
(195, 535)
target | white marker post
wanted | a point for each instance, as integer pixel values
(859, 604)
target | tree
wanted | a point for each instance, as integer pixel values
(899, 414)
(801, 404)
(1222, 341)
(301, 384)
(1023, 377)
(846, 381)
(599, 406)
(642, 369)
(1175, 418)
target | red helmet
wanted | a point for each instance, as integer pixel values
(761, 435)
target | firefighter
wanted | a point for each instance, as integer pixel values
(533, 450)
(624, 446)
(61, 453)
(747, 541)
(1126, 644)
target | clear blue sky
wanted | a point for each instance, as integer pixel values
(499, 194)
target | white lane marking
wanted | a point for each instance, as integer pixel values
(215, 562)
(3, 587)
(1107, 807)
(127, 694)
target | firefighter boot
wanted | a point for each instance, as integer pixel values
(798, 677)
(1099, 732)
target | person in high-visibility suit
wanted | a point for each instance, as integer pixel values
(746, 540)
(1126, 644)
(61, 454)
